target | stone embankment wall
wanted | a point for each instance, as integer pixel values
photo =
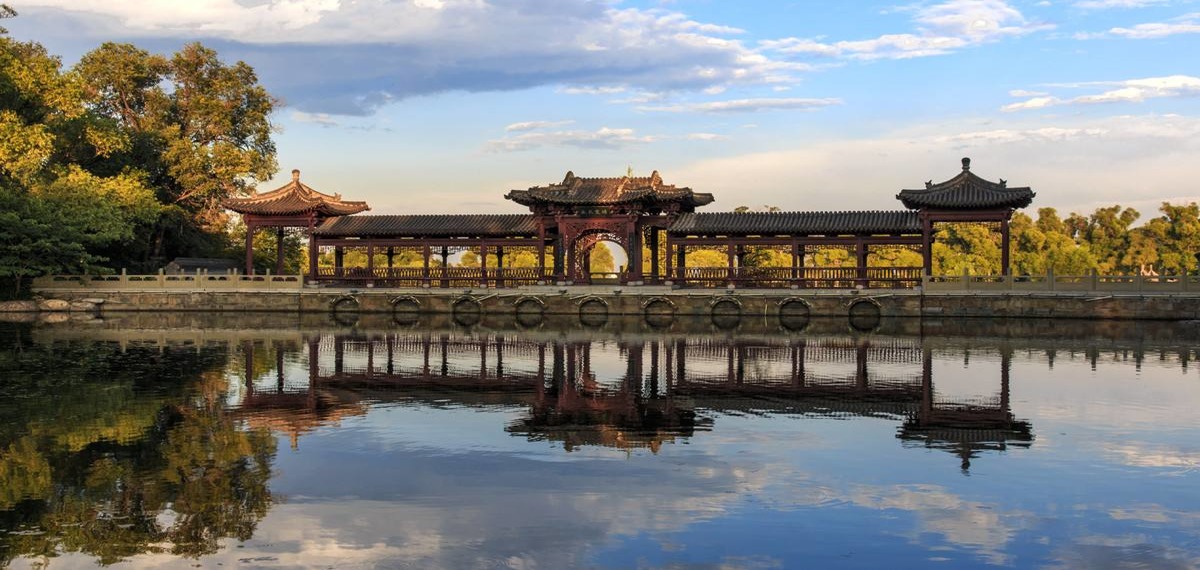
(657, 303)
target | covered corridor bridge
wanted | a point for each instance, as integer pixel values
(656, 225)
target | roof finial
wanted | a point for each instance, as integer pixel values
(966, 163)
(295, 175)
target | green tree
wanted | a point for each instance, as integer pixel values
(960, 248)
(6, 12)
(1046, 244)
(1172, 238)
(1107, 234)
(198, 128)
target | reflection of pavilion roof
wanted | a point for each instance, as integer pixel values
(967, 430)
(576, 191)
(798, 223)
(611, 421)
(297, 414)
(292, 198)
(433, 225)
(966, 192)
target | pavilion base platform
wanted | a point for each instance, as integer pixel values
(530, 305)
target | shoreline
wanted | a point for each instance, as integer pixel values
(650, 302)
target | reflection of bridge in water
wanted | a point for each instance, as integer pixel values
(627, 393)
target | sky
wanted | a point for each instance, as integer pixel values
(442, 106)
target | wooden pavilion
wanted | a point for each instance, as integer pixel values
(645, 217)
(293, 205)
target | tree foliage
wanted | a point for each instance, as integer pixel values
(151, 460)
(121, 161)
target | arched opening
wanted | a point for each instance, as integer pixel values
(601, 259)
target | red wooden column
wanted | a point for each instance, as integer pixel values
(1004, 245)
(927, 244)
(654, 277)
(861, 256)
(633, 253)
(568, 244)
(541, 253)
(445, 267)
(425, 265)
(670, 275)
(249, 248)
(483, 280)
(279, 250)
(681, 261)
(500, 266)
(312, 251)
(371, 262)
(730, 257)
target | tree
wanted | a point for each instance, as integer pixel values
(6, 12)
(601, 259)
(1045, 245)
(960, 248)
(198, 128)
(1171, 239)
(1107, 234)
(468, 259)
(123, 159)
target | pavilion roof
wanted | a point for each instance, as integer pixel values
(432, 225)
(293, 198)
(576, 191)
(868, 222)
(966, 192)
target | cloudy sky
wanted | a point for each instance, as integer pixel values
(444, 105)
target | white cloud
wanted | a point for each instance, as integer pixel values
(606, 90)
(706, 137)
(402, 49)
(941, 29)
(744, 105)
(603, 138)
(1074, 163)
(1128, 91)
(1024, 93)
(1186, 24)
(323, 119)
(534, 125)
(1109, 4)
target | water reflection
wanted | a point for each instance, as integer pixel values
(124, 451)
(648, 391)
(152, 440)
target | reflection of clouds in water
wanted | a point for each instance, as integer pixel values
(523, 514)
(976, 526)
(1158, 514)
(1138, 454)
(1122, 554)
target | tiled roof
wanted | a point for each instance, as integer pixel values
(797, 223)
(966, 192)
(574, 190)
(439, 225)
(295, 197)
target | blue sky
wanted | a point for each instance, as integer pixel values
(444, 105)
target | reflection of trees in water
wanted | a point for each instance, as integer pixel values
(127, 452)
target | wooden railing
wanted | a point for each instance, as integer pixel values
(800, 277)
(1051, 282)
(191, 281)
(437, 276)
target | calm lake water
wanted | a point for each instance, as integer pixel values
(181, 441)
